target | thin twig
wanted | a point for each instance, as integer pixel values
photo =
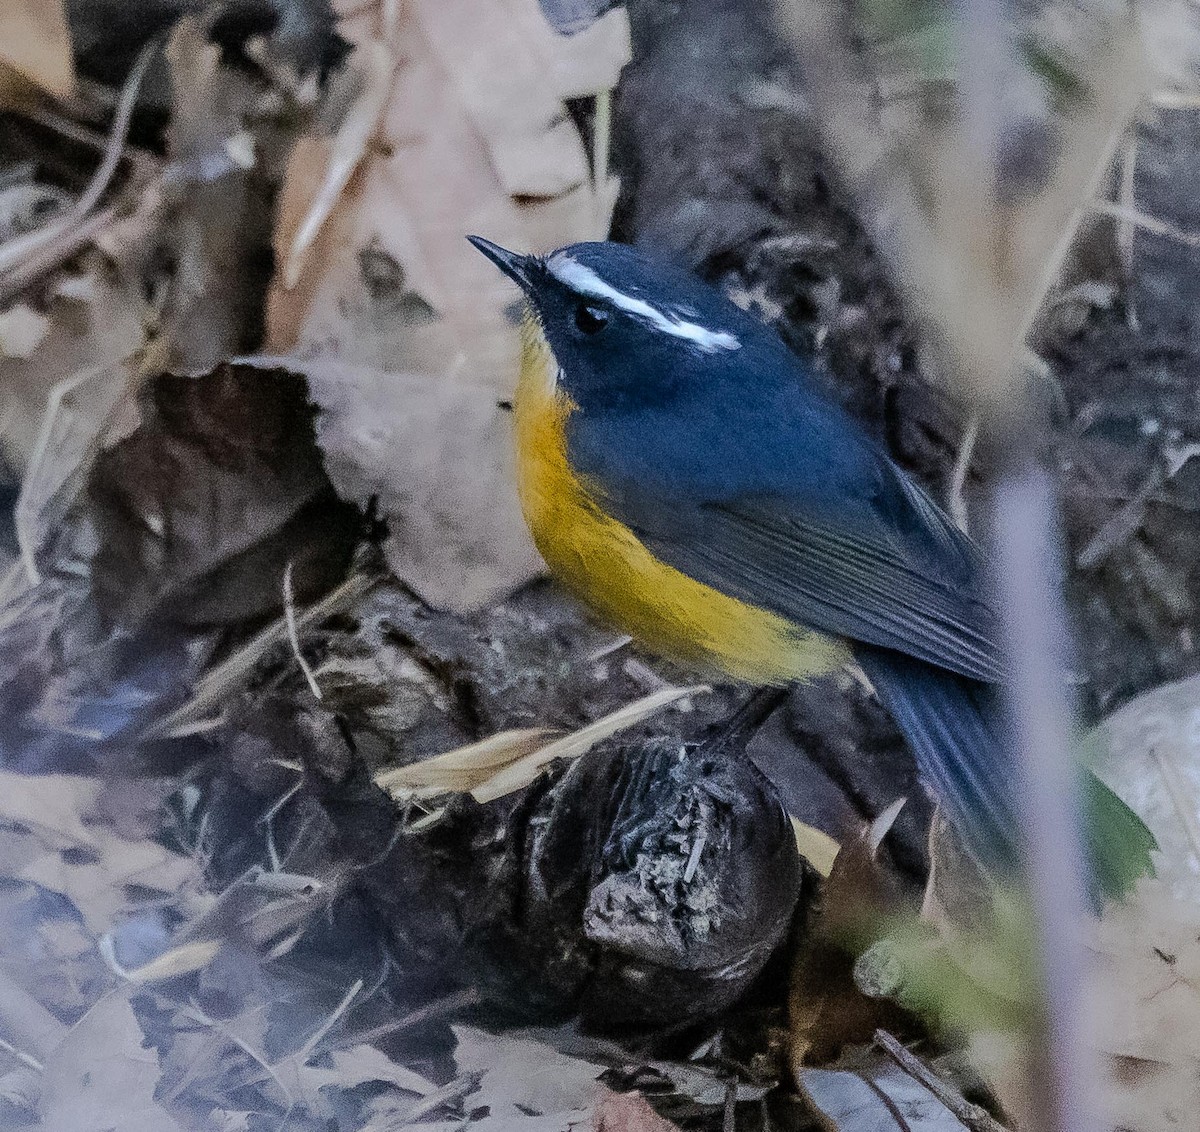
(23, 1057)
(1175, 99)
(974, 1116)
(460, 1087)
(1148, 223)
(729, 1117)
(1125, 229)
(601, 137)
(306, 1050)
(1052, 267)
(55, 251)
(22, 514)
(1121, 524)
(606, 650)
(16, 251)
(439, 1008)
(194, 1011)
(289, 616)
(958, 480)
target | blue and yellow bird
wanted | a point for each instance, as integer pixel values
(683, 473)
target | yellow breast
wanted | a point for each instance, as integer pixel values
(602, 561)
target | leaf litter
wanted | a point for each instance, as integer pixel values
(215, 948)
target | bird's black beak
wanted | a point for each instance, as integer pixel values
(513, 264)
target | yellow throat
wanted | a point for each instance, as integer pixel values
(605, 564)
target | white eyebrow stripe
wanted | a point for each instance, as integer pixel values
(586, 282)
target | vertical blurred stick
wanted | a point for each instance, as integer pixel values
(976, 251)
(1025, 523)
(1025, 531)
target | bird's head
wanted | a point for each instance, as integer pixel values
(628, 329)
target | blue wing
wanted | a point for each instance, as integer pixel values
(789, 506)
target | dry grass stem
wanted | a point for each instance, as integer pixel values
(1138, 219)
(289, 616)
(976, 1118)
(525, 770)
(957, 502)
(502, 763)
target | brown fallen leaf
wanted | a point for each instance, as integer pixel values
(826, 1008)
(35, 48)
(474, 137)
(454, 122)
(198, 513)
(437, 459)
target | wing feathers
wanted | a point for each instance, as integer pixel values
(841, 581)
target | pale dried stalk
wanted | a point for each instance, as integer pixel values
(523, 771)
(462, 769)
(506, 762)
(289, 617)
(27, 511)
(1136, 218)
(350, 143)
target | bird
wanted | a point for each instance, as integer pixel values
(684, 473)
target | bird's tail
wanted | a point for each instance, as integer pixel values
(952, 725)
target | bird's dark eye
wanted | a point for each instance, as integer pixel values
(590, 320)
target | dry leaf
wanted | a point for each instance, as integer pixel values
(816, 847)
(36, 45)
(199, 511)
(21, 331)
(361, 1064)
(64, 849)
(375, 69)
(91, 334)
(1144, 1009)
(438, 459)
(213, 226)
(473, 138)
(472, 135)
(521, 1077)
(102, 1077)
(878, 1098)
(627, 1112)
(826, 1007)
(1149, 753)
